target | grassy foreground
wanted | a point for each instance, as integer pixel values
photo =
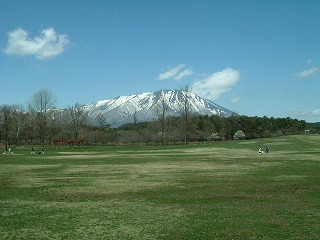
(214, 191)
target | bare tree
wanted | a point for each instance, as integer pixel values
(105, 129)
(19, 122)
(6, 120)
(101, 120)
(40, 105)
(161, 110)
(78, 118)
(59, 124)
(186, 112)
(135, 117)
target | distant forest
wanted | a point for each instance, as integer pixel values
(41, 124)
(34, 128)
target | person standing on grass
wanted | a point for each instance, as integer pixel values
(42, 150)
(260, 151)
(267, 149)
(32, 150)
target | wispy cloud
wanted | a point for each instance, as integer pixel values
(216, 84)
(312, 113)
(308, 72)
(183, 74)
(177, 73)
(47, 45)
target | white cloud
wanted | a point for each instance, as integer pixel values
(183, 74)
(48, 44)
(308, 72)
(178, 72)
(217, 84)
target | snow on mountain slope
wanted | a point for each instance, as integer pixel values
(121, 110)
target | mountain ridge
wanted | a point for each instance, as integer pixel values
(123, 109)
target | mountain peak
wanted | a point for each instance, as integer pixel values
(122, 109)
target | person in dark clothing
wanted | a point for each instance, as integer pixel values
(267, 149)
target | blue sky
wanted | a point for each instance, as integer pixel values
(257, 58)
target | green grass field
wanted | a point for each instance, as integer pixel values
(223, 190)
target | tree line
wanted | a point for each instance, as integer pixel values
(39, 123)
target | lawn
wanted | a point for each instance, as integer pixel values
(223, 190)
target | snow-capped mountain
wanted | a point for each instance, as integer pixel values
(124, 109)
